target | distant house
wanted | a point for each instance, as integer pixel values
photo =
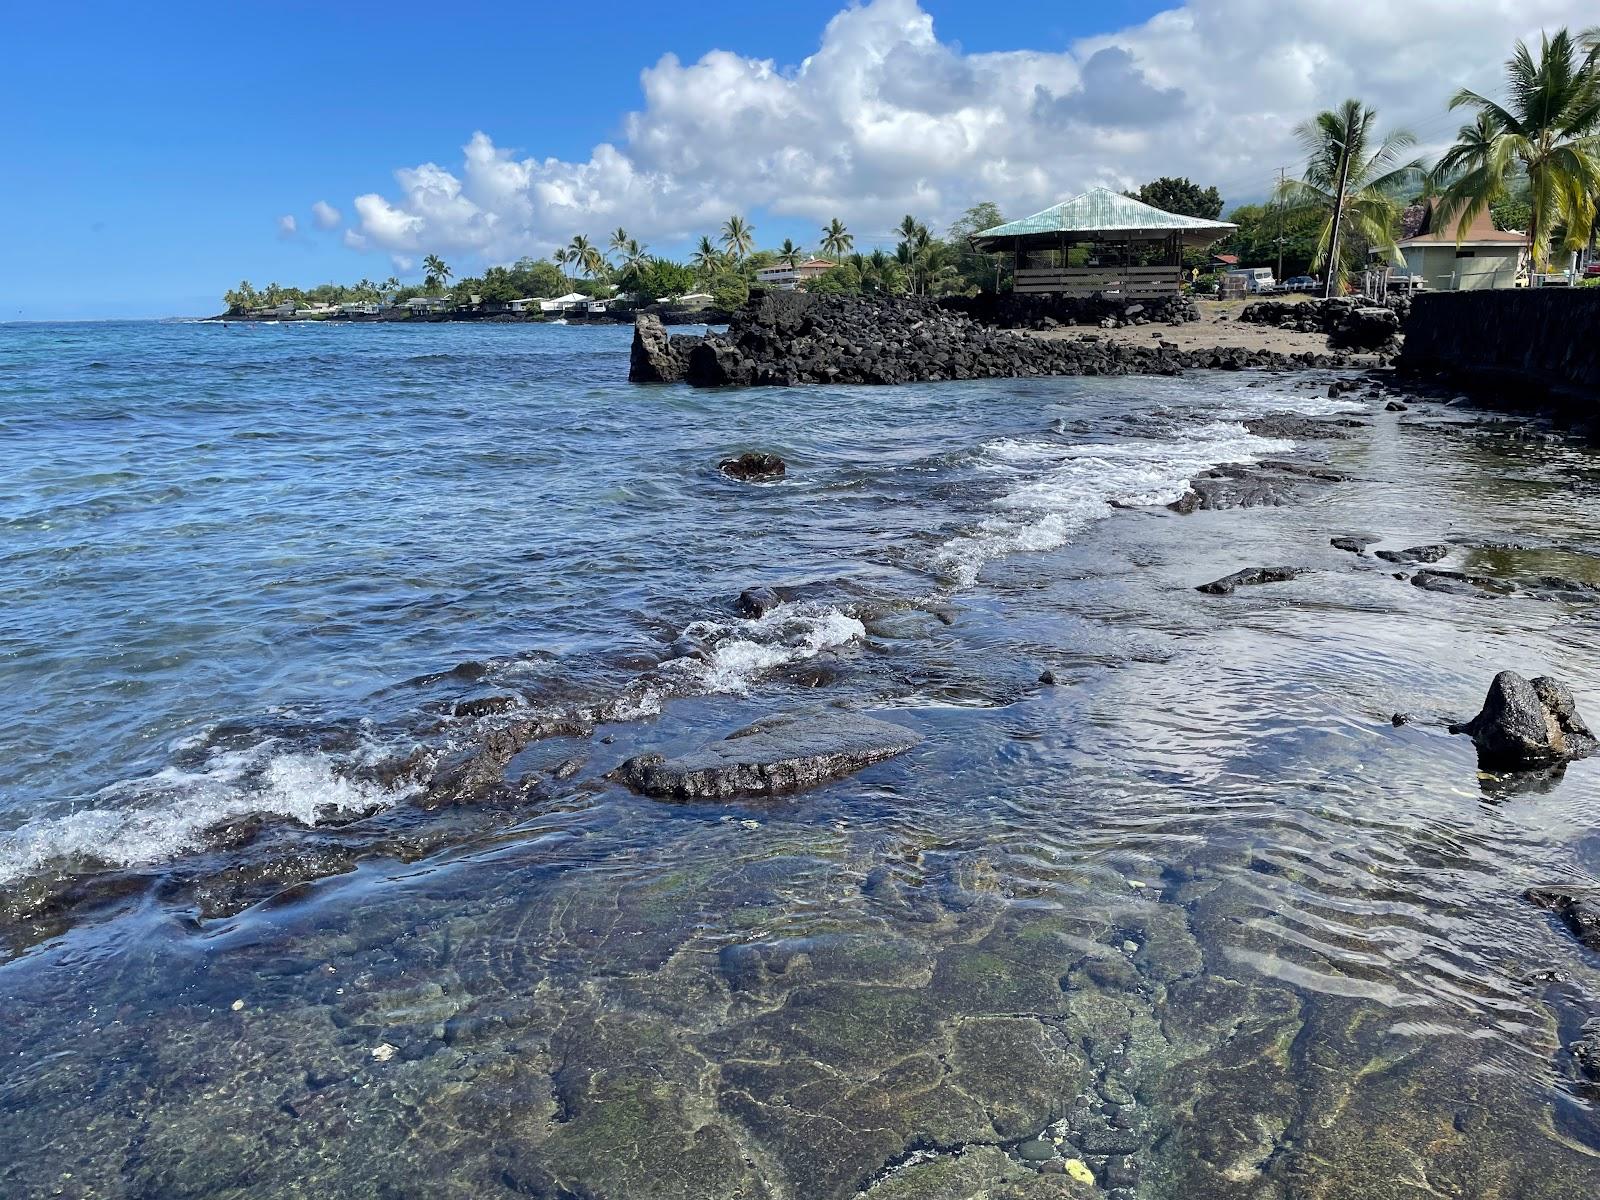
(787, 278)
(286, 309)
(694, 299)
(1224, 262)
(1483, 257)
(424, 305)
(359, 308)
(564, 304)
(525, 304)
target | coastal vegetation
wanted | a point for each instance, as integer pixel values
(1547, 132)
(1352, 183)
(1532, 161)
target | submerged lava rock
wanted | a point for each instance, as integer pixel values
(758, 601)
(1250, 575)
(782, 753)
(753, 466)
(1525, 724)
(1578, 906)
(1414, 554)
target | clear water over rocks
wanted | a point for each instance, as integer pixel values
(1199, 918)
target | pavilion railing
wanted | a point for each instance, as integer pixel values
(1130, 282)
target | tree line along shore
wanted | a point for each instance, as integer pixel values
(1530, 162)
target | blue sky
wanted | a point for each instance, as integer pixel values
(151, 148)
(151, 151)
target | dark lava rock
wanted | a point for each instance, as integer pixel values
(1586, 1052)
(1396, 406)
(753, 466)
(1459, 583)
(1525, 724)
(788, 338)
(1400, 719)
(1249, 576)
(1347, 324)
(1578, 906)
(1047, 677)
(758, 602)
(1414, 554)
(657, 357)
(1266, 484)
(480, 705)
(1355, 543)
(781, 753)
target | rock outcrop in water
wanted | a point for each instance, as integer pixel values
(657, 356)
(777, 754)
(1250, 576)
(1528, 724)
(789, 338)
(753, 466)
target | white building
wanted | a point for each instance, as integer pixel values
(787, 278)
(564, 304)
(1484, 257)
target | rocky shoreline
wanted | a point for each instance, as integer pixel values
(791, 338)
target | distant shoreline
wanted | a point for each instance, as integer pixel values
(704, 316)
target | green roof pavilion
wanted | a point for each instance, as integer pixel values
(1125, 247)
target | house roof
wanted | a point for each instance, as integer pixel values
(1231, 259)
(1102, 211)
(1439, 229)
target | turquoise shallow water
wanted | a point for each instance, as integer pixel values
(1200, 910)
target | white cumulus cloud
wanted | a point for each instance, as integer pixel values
(287, 226)
(885, 118)
(325, 215)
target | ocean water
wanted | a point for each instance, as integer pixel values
(1200, 910)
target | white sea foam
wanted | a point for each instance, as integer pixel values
(735, 652)
(1060, 488)
(166, 814)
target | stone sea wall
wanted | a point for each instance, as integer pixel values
(1545, 341)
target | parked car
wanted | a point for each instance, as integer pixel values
(1257, 280)
(1299, 283)
(1592, 271)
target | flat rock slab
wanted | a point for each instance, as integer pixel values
(1249, 576)
(1414, 554)
(782, 753)
(1355, 543)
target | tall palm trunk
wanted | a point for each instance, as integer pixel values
(1334, 266)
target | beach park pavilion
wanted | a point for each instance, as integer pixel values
(1100, 242)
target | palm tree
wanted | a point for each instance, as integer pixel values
(707, 258)
(1355, 189)
(790, 254)
(1550, 131)
(738, 236)
(562, 257)
(836, 239)
(437, 273)
(634, 256)
(582, 254)
(619, 240)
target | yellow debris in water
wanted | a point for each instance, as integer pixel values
(1079, 1170)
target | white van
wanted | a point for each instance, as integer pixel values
(1257, 280)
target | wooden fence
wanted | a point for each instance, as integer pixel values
(1131, 282)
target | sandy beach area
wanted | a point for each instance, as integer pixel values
(1219, 327)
